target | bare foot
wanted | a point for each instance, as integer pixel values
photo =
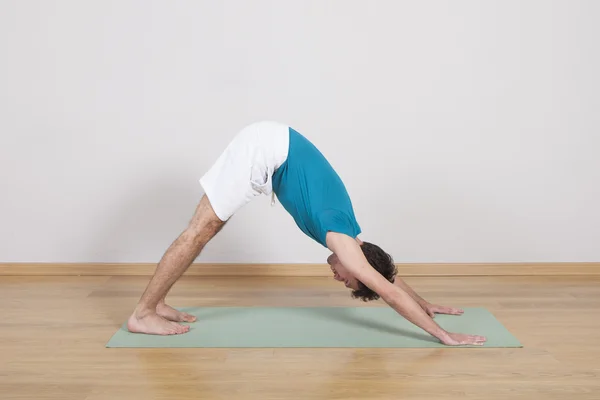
(172, 314)
(154, 324)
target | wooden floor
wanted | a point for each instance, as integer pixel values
(53, 331)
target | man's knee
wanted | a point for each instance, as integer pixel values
(201, 235)
(205, 224)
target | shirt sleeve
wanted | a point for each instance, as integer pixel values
(336, 221)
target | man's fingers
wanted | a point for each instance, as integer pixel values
(451, 310)
(448, 310)
(432, 310)
(476, 339)
(456, 311)
(462, 339)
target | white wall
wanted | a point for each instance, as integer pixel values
(466, 131)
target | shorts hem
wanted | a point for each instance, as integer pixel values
(214, 204)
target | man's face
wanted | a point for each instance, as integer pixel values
(340, 273)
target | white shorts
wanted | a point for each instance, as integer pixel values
(246, 166)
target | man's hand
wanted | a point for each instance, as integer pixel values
(432, 309)
(452, 339)
(459, 339)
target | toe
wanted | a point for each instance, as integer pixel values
(189, 318)
(180, 329)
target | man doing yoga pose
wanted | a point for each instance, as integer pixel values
(270, 158)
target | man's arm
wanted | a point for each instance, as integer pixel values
(351, 256)
(404, 286)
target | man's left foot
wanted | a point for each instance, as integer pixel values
(172, 314)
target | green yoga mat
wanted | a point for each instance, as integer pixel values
(316, 327)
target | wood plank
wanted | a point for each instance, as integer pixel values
(226, 269)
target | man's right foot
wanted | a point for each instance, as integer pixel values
(154, 324)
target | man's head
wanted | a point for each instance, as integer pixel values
(379, 259)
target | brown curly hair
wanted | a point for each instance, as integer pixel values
(382, 262)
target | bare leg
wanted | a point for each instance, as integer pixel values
(152, 315)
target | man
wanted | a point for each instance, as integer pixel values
(272, 158)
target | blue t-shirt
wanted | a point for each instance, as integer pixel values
(310, 190)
